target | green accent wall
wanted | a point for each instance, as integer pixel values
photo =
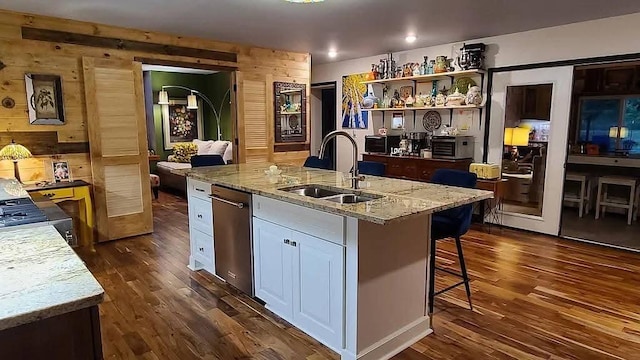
(213, 86)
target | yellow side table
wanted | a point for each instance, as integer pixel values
(79, 191)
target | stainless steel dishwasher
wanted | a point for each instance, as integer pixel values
(232, 237)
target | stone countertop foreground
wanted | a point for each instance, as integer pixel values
(401, 198)
(41, 277)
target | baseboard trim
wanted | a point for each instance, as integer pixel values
(394, 343)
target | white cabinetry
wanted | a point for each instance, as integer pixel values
(200, 226)
(272, 262)
(300, 277)
(318, 288)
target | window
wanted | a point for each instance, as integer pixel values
(613, 123)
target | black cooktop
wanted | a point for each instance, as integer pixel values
(19, 212)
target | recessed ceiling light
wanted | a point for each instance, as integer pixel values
(304, 1)
(333, 53)
(410, 39)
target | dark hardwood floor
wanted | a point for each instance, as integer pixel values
(535, 297)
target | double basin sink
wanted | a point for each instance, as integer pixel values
(336, 195)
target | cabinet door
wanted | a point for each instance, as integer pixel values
(272, 258)
(318, 288)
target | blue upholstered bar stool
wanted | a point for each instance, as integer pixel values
(451, 223)
(372, 168)
(206, 160)
(317, 163)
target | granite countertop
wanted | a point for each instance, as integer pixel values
(41, 277)
(401, 198)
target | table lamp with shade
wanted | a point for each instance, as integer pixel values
(515, 137)
(618, 134)
(15, 152)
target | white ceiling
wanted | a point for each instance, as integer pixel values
(355, 28)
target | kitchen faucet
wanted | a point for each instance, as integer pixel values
(356, 176)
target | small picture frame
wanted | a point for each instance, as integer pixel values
(61, 171)
(397, 121)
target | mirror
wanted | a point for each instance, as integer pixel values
(526, 136)
(290, 112)
(44, 99)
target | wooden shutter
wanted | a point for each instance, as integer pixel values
(255, 124)
(118, 143)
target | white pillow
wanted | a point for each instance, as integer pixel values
(219, 147)
(204, 147)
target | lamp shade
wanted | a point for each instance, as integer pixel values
(14, 152)
(192, 102)
(163, 98)
(613, 132)
(516, 137)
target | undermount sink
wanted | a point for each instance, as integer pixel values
(341, 196)
(313, 191)
(352, 198)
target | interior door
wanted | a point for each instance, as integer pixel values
(118, 144)
(547, 183)
(255, 118)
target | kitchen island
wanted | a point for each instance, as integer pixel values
(48, 298)
(351, 275)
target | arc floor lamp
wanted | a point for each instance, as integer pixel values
(192, 101)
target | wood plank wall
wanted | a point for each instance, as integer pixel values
(21, 56)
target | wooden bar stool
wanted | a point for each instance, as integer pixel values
(604, 200)
(583, 198)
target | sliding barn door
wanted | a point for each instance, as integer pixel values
(118, 143)
(255, 118)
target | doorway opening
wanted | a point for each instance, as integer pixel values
(190, 115)
(323, 118)
(602, 181)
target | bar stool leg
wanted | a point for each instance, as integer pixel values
(432, 275)
(632, 200)
(463, 267)
(581, 203)
(598, 198)
(588, 197)
(635, 214)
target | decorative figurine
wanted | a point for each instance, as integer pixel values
(372, 74)
(474, 96)
(416, 69)
(419, 100)
(409, 101)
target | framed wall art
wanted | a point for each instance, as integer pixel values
(181, 124)
(44, 99)
(354, 115)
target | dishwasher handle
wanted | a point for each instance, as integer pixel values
(239, 205)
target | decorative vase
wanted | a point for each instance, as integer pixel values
(369, 99)
(442, 64)
(424, 68)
